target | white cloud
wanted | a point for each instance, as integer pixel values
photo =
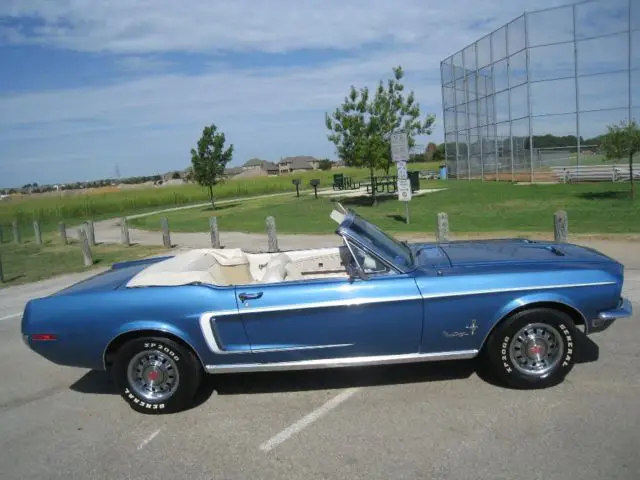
(208, 26)
(149, 124)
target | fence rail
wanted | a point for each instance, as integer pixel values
(559, 224)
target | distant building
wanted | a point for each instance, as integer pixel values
(298, 164)
(256, 164)
(233, 171)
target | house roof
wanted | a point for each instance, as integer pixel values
(254, 162)
(299, 162)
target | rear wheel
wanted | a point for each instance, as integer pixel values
(156, 375)
(533, 348)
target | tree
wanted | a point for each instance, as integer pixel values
(361, 127)
(621, 141)
(210, 159)
(325, 164)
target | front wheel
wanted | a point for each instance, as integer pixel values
(156, 375)
(533, 349)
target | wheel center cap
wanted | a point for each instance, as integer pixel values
(536, 349)
(154, 375)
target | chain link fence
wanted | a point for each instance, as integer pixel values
(529, 100)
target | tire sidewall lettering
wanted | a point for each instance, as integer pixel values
(567, 356)
(132, 397)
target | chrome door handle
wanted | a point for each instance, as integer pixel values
(249, 296)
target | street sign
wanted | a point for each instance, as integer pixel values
(399, 147)
(404, 190)
(402, 170)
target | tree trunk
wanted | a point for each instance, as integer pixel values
(633, 185)
(213, 207)
(387, 167)
(373, 187)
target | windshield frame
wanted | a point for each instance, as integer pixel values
(377, 242)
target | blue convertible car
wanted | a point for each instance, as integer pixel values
(160, 324)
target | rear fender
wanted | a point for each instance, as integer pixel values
(150, 327)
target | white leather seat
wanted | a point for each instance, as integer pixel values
(275, 271)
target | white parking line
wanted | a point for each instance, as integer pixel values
(8, 317)
(148, 439)
(307, 420)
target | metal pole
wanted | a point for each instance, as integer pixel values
(406, 211)
(630, 57)
(478, 128)
(455, 111)
(526, 46)
(466, 107)
(444, 115)
(506, 37)
(575, 74)
(493, 100)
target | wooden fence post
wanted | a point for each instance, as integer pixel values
(63, 232)
(124, 231)
(215, 233)
(271, 234)
(37, 232)
(91, 233)
(1, 272)
(442, 234)
(166, 234)
(16, 231)
(560, 226)
(84, 246)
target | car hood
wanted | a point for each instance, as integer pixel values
(504, 252)
(117, 276)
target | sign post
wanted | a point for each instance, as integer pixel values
(400, 155)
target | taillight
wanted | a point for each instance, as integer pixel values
(43, 336)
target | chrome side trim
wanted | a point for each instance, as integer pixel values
(514, 289)
(207, 322)
(347, 302)
(342, 362)
(306, 347)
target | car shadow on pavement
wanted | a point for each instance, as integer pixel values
(99, 382)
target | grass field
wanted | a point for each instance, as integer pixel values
(29, 262)
(51, 209)
(472, 206)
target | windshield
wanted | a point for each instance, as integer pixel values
(378, 240)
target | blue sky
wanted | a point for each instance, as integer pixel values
(88, 85)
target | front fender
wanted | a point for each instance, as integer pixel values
(548, 298)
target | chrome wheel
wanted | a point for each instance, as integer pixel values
(153, 375)
(536, 349)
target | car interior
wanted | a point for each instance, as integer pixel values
(225, 267)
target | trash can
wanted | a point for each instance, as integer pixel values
(443, 172)
(414, 180)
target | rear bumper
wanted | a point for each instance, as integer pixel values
(606, 318)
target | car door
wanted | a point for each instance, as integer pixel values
(321, 319)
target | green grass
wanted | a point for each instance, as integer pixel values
(75, 208)
(29, 262)
(472, 206)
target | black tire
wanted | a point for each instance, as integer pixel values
(176, 357)
(504, 364)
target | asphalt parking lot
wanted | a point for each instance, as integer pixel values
(426, 421)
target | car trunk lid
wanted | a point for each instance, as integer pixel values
(119, 274)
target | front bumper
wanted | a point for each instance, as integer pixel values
(606, 318)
